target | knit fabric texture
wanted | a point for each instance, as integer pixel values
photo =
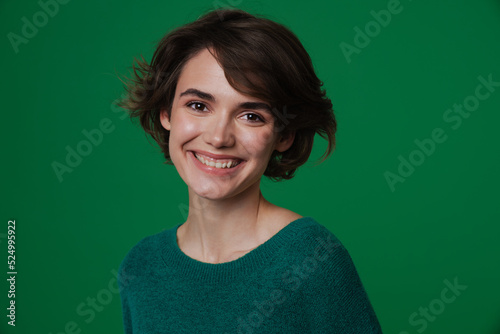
(301, 280)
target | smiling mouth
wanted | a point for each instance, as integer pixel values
(217, 163)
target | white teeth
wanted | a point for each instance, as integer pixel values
(227, 164)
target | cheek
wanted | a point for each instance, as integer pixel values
(258, 142)
(183, 130)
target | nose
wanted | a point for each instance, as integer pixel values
(219, 131)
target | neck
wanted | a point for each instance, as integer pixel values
(217, 230)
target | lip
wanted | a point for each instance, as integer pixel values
(213, 170)
(217, 156)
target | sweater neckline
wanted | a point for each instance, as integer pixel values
(244, 266)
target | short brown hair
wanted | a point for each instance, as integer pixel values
(260, 58)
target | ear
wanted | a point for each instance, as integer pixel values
(164, 119)
(285, 141)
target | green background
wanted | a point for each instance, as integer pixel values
(441, 223)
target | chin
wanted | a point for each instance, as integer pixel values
(210, 191)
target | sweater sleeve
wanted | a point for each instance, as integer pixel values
(127, 321)
(129, 278)
(335, 299)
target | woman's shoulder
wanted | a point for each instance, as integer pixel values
(308, 224)
(310, 240)
(312, 233)
(283, 217)
(330, 283)
(307, 227)
(322, 254)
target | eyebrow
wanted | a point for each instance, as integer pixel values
(211, 98)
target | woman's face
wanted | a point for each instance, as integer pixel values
(213, 121)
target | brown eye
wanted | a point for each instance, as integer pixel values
(197, 106)
(254, 118)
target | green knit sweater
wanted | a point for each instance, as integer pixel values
(301, 280)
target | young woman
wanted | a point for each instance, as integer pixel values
(229, 98)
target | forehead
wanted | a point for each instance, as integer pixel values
(204, 72)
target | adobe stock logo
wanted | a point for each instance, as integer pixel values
(427, 146)
(93, 138)
(40, 19)
(436, 307)
(372, 29)
(98, 302)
